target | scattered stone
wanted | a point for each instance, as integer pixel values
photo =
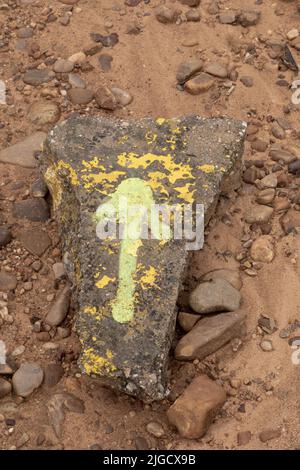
(38, 188)
(80, 96)
(59, 271)
(93, 49)
(262, 249)
(243, 438)
(249, 18)
(27, 379)
(281, 155)
(63, 332)
(247, 81)
(44, 112)
(199, 84)
(193, 412)
(26, 33)
(266, 196)
(259, 145)
(132, 3)
(5, 388)
(252, 174)
(267, 324)
(269, 434)
(290, 222)
(105, 98)
(22, 440)
(187, 69)
(190, 3)
(36, 241)
(277, 131)
(216, 295)
(141, 443)
(78, 58)
(292, 34)
(107, 41)
(259, 214)
(230, 275)
(294, 168)
(166, 15)
(60, 308)
(7, 281)
(105, 62)
(123, 97)
(187, 320)
(18, 351)
(210, 334)
(217, 70)
(35, 209)
(155, 429)
(124, 365)
(57, 407)
(269, 181)
(5, 236)
(266, 345)
(193, 15)
(37, 77)
(63, 66)
(76, 81)
(22, 153)
(227, 17)
(52, 374)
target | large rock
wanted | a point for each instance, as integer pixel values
(194, 411)
(27, 378)
(126, 290)
(209, 335)
(216, 295)
(22, 153)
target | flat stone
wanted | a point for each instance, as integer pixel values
(187, 320)
(243, 437)
(290, 222)
(126, 338)
(27, 378)
(5, 387)
(227, 17)
(249, 18)
(5, 236)
(76, 81)
(77, 58)
(294, 167)
(216, 69)
(282, 155)
(190, 3)
(80, 96)
(259, 214)
(57, 407)
(193, 412)
(25, 33)
(193, 15)
(105, 98)
(52, 374)
(210, 334)
(166, 15)
(22, 153)
(35, 241)
(35, 209)
(7, 281)
(38, 188)
(268, 434)
(262, 249)
(216, 295)
(123, 97)
(63, 66)
(199, 84)
(60, 308)
(37, 77)
(44, 112)
(187, 69)
(259, 145)
(230, 275)
(266, 196)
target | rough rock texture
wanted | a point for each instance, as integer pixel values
(126, 291)
(193, 412)
(209, 335)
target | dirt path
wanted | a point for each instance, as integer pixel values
(263, 387)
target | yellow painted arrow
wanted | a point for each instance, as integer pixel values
(131, 193)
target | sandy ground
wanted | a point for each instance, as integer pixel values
(145, 65)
